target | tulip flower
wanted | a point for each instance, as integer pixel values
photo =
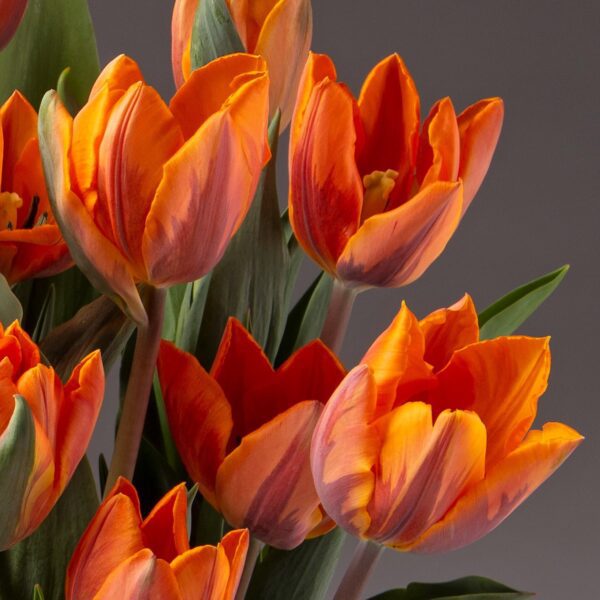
(45, 428)
(278, 30)
(243, 431)
(426, 445)
(122, 556)
(150, 193)
(11, 13)
(30, 242)
(374, 197)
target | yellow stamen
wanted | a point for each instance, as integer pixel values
(378, 187)
(9, 203)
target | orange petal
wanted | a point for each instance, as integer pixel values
(479, 127)
(119, 74)
(199, 415)
(395, 248)
(505, 486)
(423, 469)
(284, 41)
(325, 187)
(165, 529)
(213, 178)
(266, 485)
(449, 329)
(182, 24)
(111, 538)
(92, 251)
(390, 113)
(249, 17)
(396, 361)
(235, 543)
(501, 380)
(29, 352)
(439, 147)
(344, 451)
(11, 13)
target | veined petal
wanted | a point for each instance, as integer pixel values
(505, 486)
(479, 127)
(266, 485)
(182, 24)
(199, 415)
(449, 329)
(501, 380)
(395, 248)
(344, 450)
(325, 187)
(390, 112)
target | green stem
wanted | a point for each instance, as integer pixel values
(355, 578)
(254, 549)
(135, 405)
(338, 316)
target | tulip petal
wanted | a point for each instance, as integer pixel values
(92, 251)
(249, 17)
(199, 415)
(235, 543)
(501, 380)
(395, 248)
(207, 189)
(390, 113)
(344, 451)
(29, 353)
(11, 13)
(266, 485)
(325, 187)
(118, 75)
(505, 486)
(449, 329)
(479, 127)
(182, 25)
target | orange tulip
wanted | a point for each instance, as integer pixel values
(122, 556)
(11, 13)
(373, 201)
(149, 193)
(243, 431)
(45, 428)
(278, 30)
(426, 445)
(30, 241)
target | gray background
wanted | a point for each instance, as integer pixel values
(537, 210)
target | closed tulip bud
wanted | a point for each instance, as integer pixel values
(121, 555)
(11, 13)
(30, 241)
(375, 197)
(278, 30)
(45, 428)
(243, 432)
(426, 446)
(150, 193)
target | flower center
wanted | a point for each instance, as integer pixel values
(378, 187)
(9, 204)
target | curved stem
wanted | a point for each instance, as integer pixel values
(338, 316)
(254, 549)
(135, 405)
(355, 578)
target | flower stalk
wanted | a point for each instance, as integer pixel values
(254, 549)
(356, 576)
(338, 315)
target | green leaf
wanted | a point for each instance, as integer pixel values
(504, 316)
(10, 307)
(17, 451)
(38, 594)
(46, 316)
(467, 588)
(191, 314)
(52, 36)
(208, 525)
(214, 33)
(300, 574)
(43, 557)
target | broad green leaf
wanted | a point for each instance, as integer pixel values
(17, 451)
(504, 316)
(300, 574)
(466, 588)
(43, 557)
(10, 307)
(175, 295)
(53, 35)
(46, 316)
(214, 33)
(191, 313)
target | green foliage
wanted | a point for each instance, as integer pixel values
(10, 307)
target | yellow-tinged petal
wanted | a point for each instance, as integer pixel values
(182, 24)
(266, 485)
(249, 17)
(505, 486)
(202, 572)
(119, 74)
(394, 248)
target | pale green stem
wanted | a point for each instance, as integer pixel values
(356, 576)
(254, 549)
(135, 405)
(338, 316)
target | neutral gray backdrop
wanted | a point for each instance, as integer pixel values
(538, 209)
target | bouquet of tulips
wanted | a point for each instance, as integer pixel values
(148, 237)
